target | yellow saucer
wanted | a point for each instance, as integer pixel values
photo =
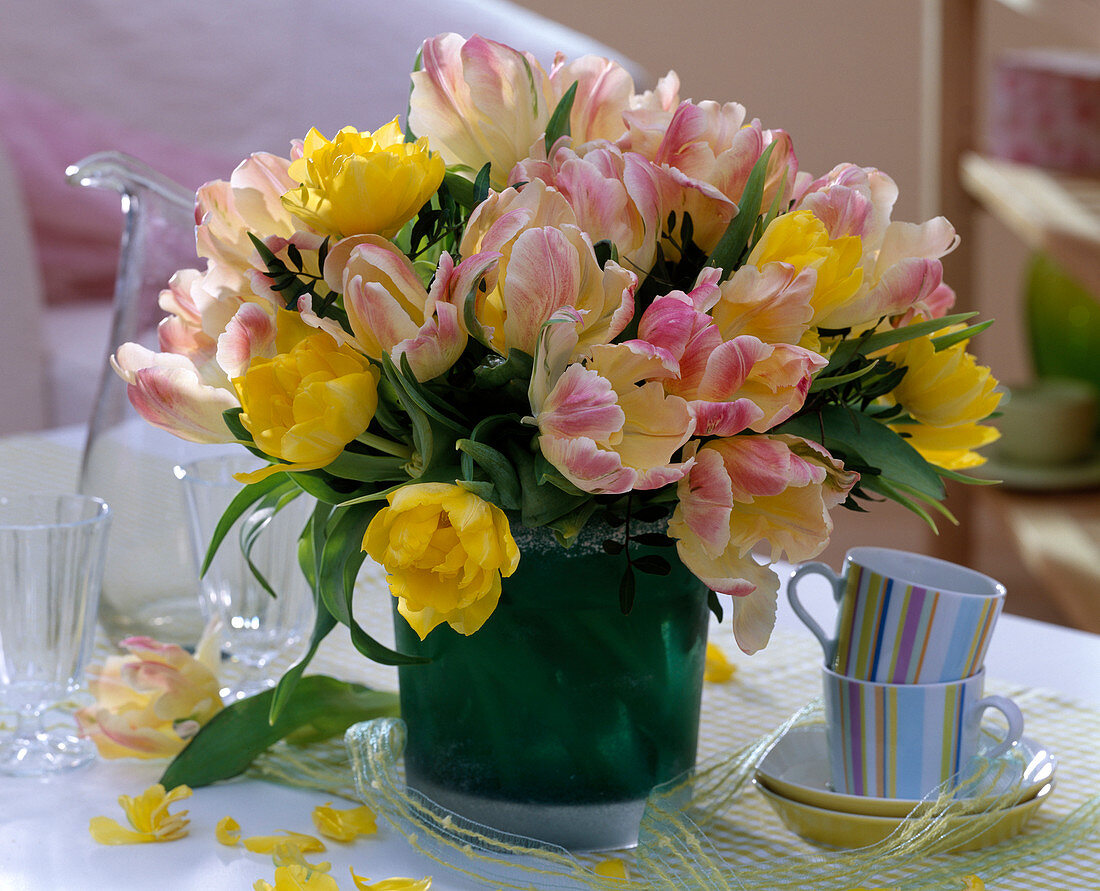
(843, 830)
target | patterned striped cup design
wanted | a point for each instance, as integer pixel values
(904, 740)
(904, 618)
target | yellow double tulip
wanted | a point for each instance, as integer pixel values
(947, 394)
(943, 388)
(304, 405)
(445, 551)
(362, 183)
(801, 240)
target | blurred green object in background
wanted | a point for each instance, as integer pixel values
(1063, 323)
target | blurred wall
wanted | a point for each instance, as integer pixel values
(838, 76)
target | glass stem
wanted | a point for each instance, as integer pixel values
(28, 723)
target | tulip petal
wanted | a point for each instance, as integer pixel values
(445, 551)
(909, 281)
(438, 344)
(587, 466)
(344, 824)
(477, 100)
(228, 831)
(604, 92)
(266, 844)
(106, 831)
(724, 418)
(582, 404)
(556, 348)
(753, 588)
(166, 390)
(376, 317)
(251, 332)
(753, 616)
(771, 303)
(717, 668)
(543, 275)
(706, 513)
(728, 366)
(394, 884)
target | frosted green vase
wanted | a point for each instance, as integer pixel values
(556, 719)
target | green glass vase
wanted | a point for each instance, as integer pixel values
(556, 719)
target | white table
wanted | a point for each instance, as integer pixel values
(45, 844)
(44, 840)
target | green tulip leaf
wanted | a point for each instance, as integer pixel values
(323, 487)
(568, 526)
(254, 495)
(309, 547)
(318, 708)
(497, 467)
(946, 340)
(341, 557)
(735, 241)
(540, 503)
(483, 489)
(559, 119)
(828, 382)
(366, 468)
(863, 442)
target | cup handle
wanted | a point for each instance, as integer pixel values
(828, 644)
(1012, 713)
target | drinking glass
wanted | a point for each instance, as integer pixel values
(51, 566)
(258, 630)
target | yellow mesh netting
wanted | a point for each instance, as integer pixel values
(674, 848)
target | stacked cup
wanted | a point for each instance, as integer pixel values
(903, 672)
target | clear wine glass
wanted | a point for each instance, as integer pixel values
(51, 565)
(260, 633)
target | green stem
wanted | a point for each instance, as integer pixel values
(397, 449)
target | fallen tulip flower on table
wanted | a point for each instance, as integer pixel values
(148, 817)
(152, 701)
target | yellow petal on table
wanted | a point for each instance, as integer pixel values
(610, 868)
(288, 853)
(718, 668)
(396, 884)
(265, 844)
(228, 831)
(148, 816)
(344, 824)
(106, 831)
(297, 878)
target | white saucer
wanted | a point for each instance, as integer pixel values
(797, 768)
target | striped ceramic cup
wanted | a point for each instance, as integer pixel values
(904, 740)
(903, 618)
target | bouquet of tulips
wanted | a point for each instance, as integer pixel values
(546, 298)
